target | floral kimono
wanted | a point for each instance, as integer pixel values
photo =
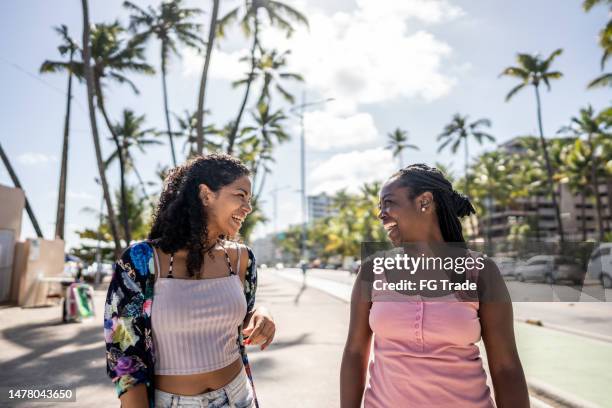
(130, 354)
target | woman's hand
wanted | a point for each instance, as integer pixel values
(260, 328)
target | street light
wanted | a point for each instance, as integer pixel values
(299, 111)
(274, 193)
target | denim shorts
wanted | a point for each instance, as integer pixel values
(237, 394)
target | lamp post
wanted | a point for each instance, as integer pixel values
(299, 111)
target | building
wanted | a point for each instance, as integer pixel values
(320, 206)
(539, 209)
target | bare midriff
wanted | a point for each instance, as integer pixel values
(193, 384)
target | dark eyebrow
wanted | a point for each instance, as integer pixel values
(387, 195)
(244, 191)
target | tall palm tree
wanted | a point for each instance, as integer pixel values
(171, 26)
(212, 30)
(89, 77)
(17, 184)
(269, 66)
(533, 70)
(69, 47)
(278, 14)
(398, 142)
(458, 132)
(131, 134)
(591, 125)
(605, 42)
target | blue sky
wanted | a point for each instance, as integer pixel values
(387, 64)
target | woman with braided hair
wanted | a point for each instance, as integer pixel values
(180, 307)
(425, 352)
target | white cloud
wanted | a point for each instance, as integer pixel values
(32, 158)
(351, 170)
(326, 129)
(369, 55)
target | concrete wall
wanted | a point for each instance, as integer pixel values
(11, 212)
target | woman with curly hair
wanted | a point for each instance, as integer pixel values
(425, 351)
(180, 305)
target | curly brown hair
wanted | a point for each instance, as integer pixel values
(180, 219)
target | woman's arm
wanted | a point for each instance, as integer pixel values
(357, 348)
(497, 322)
(125, 335)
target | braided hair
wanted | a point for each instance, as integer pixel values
(180, 219)
(450, 205)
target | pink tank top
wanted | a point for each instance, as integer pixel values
(195, 322)
(425, 353)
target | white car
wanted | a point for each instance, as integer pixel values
(600, 265)
(550, 269)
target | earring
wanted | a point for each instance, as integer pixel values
(423, 209)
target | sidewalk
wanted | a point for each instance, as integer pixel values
(300, 368)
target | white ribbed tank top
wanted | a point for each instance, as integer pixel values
(195, 323)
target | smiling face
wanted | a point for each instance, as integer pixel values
(228, 207)
(403, 217)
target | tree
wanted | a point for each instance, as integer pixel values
(67, 47)
(171, 26)
(89, 77)
(268, 66)
(398, 143)
(279, 15)
(188, 128)
(533, 70)
(591, 125)
(605, 42)
(130, 134)
(202, 93)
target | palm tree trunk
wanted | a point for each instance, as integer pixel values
(584, 228)
(609, 188)
(121, 155)
(548, 167)
(537, 216)
(467, 185)
(61, 195)
(201, 96)
(166, 110)
(232, 135)
(94, 130)
(595, 184)
(17, 184)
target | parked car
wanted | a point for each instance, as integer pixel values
(279, 265)
(106, 269)
(600, 265)
(550, 269)
(506, 265)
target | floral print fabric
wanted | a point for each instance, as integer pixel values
(130, 354)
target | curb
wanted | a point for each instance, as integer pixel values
(560, 396)
(582, 333)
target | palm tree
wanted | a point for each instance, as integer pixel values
(591, 125)
(577, 173)
(398, 143)
(533, 70)
(458, 132)
(89, 77)
(130, 134)
(605, 41)
(171, 26)
(68, 46)
(279, 15)
(268, 66)
(202, 93)
(188, 128)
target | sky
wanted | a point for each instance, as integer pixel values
(410, 64)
